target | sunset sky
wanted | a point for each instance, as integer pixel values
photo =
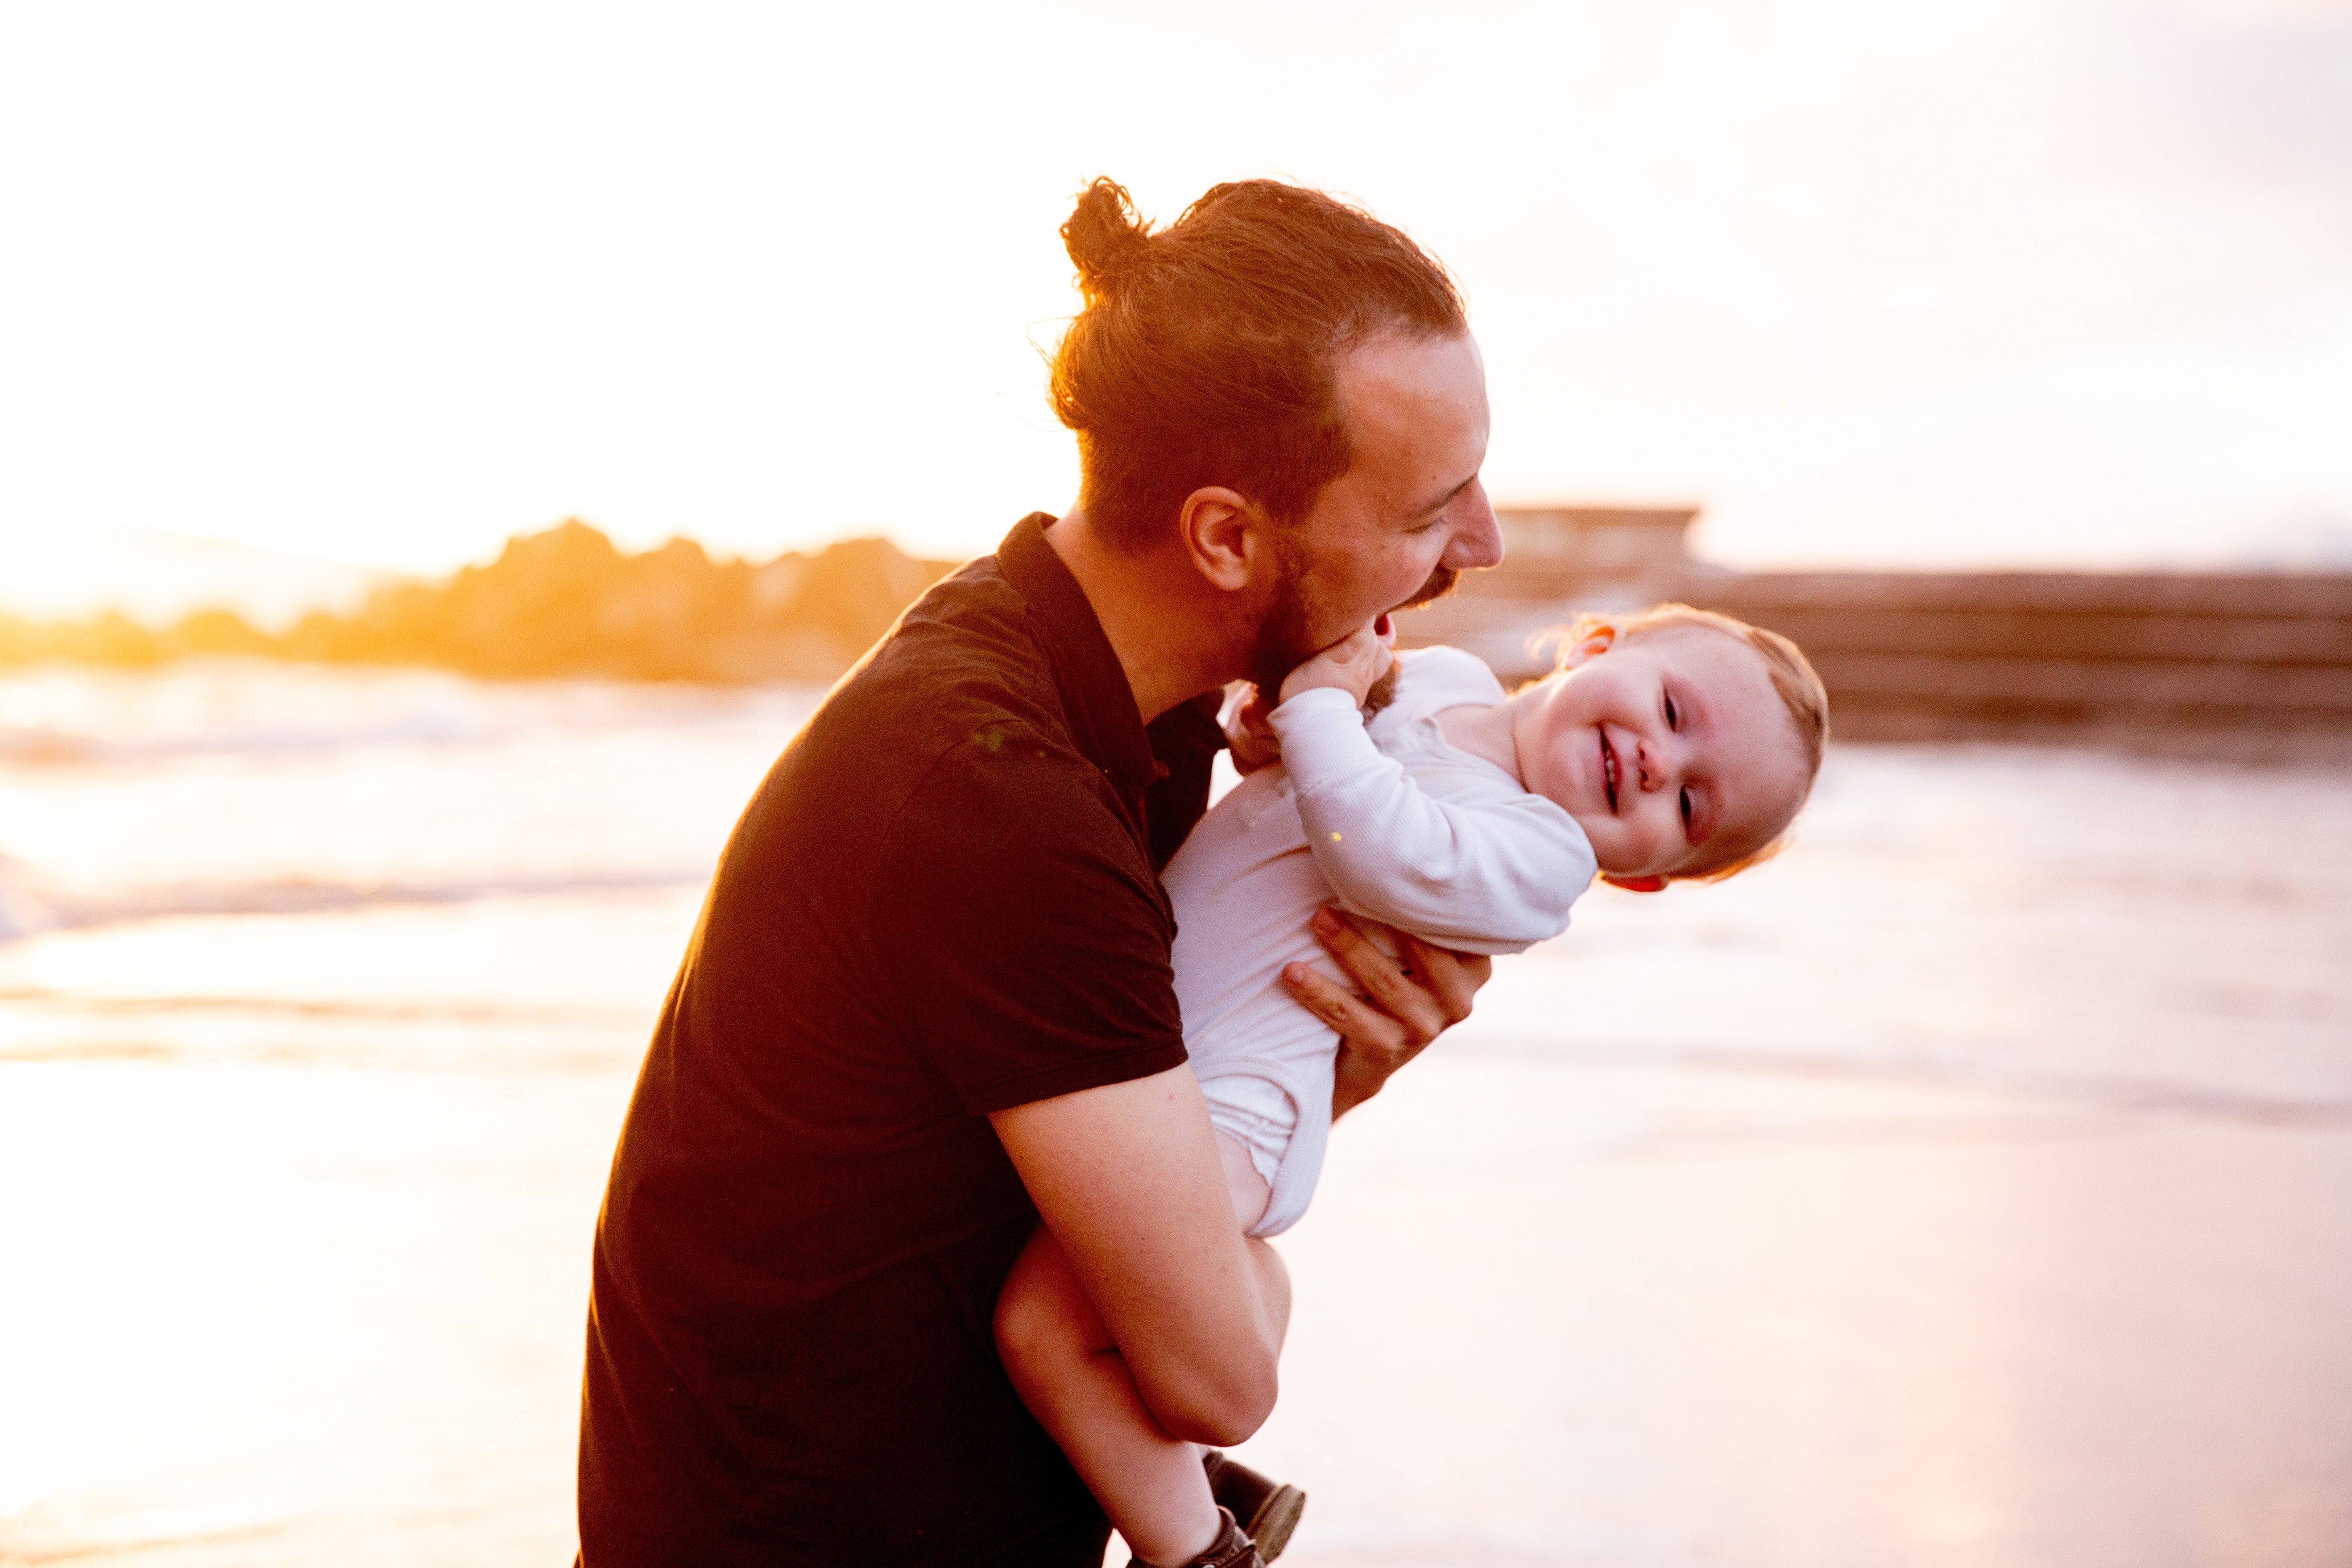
(1916, 281)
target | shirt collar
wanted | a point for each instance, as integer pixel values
(1104, 720)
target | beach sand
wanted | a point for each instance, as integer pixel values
(1798, 1322)
(1973, 1187)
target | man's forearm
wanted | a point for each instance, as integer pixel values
(1126, 1177)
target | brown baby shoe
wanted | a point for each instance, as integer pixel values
(1268, 1509)
(1230, 1549)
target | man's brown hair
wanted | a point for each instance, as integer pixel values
(1205, 354)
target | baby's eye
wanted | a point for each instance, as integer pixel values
(1687, 811)
(1674, 714)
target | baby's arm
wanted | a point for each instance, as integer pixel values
(1492, 874)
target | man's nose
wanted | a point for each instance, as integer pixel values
(1476, 541)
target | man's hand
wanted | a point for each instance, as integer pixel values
(1397, 1009)
(1353, 664)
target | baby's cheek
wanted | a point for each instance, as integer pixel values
(1607, 841)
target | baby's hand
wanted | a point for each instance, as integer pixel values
(1353, 664)
(1249, 734)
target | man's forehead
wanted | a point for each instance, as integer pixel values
(1416, 409)
(1402, 367)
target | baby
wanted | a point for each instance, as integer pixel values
(1673, 744)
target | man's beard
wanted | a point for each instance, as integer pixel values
(1440, 584)
(1283, 637)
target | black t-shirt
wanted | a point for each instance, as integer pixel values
(943, 902)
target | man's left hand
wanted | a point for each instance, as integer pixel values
(1397, 1009)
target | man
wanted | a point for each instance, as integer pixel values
(928, 1000)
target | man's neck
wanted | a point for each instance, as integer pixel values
(1162, 622)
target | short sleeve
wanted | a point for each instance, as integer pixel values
(1023, 938)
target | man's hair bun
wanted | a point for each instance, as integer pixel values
(1105, 237)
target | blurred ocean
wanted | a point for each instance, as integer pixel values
(1971, 1185)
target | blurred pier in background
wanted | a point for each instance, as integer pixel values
(2240, 664)
(2249, 665)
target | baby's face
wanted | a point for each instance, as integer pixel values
(1671, 750)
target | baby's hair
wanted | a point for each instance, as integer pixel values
(1793, 677)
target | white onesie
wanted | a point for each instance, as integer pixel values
(1391, 821)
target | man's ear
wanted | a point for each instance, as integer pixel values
(1224, 536)
(1636, 884)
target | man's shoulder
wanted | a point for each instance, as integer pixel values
(964, 661)
(951, 741)
(964, 657)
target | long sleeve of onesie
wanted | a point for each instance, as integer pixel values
(1490, 873)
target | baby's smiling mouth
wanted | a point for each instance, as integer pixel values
(1608, 769)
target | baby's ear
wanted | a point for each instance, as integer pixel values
(1599, 638)
(1636, 884)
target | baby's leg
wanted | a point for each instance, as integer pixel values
(1248, 1190)
(1070, 1375)
(1074, 1381)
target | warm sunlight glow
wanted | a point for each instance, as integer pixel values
(454, 455)
(1880, 283)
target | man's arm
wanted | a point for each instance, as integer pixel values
(1127, 1180)
(1023, 945)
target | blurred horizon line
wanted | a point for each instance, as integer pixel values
(158, 576)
